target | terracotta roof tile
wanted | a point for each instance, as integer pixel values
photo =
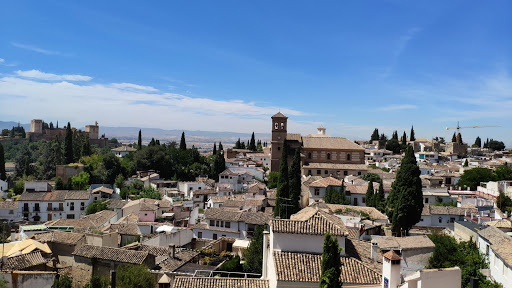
(211, 282)
(181, 258)
(112, 254)
(303, 267)
(24, 261)
(69, 238)
(318, 224)
(330, 143)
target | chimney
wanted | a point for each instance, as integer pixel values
(374, 252)
(172, 252)
(479, 219)
(265, 254)
(13, 235)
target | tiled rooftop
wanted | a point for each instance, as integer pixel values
(112, 254)
(210, 282)
(317, 224)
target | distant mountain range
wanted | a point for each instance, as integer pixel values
(130, 134)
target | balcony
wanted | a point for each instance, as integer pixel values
(37, 209)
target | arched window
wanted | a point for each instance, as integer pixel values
(309, 155)
(276, 125)
(282, 125)
(328, 156)
(348, 157)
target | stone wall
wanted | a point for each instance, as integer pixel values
(29, 279)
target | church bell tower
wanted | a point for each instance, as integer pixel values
(279, 126)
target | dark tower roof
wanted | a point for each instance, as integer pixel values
(279, 115)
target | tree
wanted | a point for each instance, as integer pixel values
(62, 282)
(254, 253)
(119, 181)
(283, 186)
(331, 263)
(238, 145)
(478, 142)
(273, 180)
(139, 140)
(295, 183)
(252, 143)
(68, 145)
(394, 146)
(495, 145)
(503, 202)
(503, 172)
(395, 135)
(459, 138)
(97, 282)
(80, 181)
(404, 139)
(96, 206)
(370, 193)
(183, 144)
(375, 135)
(454, 138)
(59, 185)
(472, 177)
(405, 201)
(466, 163)
(371, 177)
(380, 198)
(2, 163)
(134, 276)
(412, 138)
(383, 137)
(214, 148)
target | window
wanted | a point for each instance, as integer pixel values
(276, 126)
(309, 155)
(72, 207)
(212, 222)
(359, 173)
(278, 148)
(345, 173)
(214, 236)
(11, 211)
(317, 191)
(348, 157)
(309, 172)
(326, 172)
(426, 200)
(364, 200)
(328, 156)
(440, 220)
(282, 125)
(200, 235)
(71, 216)
(228, 224)
(318, 172)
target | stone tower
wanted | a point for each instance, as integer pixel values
(93, 130)
(279, 126)
(36, 126)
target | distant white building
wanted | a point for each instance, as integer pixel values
(496, 245)
(123, 151)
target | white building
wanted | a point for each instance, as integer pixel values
(443, 216)
(432, 157)
(4, 186)
(60, 204)
(37, 186)
(494, 188)
(316, 186)
(496, 246)
(123, 151)
(10, 211)
(186, 187)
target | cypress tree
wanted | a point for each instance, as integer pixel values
(214, 148)
(237, 144)
(412, 138)
(2, 163)
(295, 183)
(57, 126)
(252, 144)
(404, 139)
(478, 142)
(459, 138)
(68, 145)
(380, 198)
(405, 201)
(254, 253)
(139, 141)
(331, 263)
(183, 144)
(375, 135)
(370, 195)
(454, 137)
(283, 186)
(220, 147)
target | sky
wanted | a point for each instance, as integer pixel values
(350, 66)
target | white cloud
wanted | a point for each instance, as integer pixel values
(82, 103)
(130, 86)
(36, 74)
(35, 49)
(398, 107)
(2, 60)
(404, 40)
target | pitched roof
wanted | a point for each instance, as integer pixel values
(124, 149)
(181, 258)
(330, 143)
(24, 247)
(503, 223)
(374, 213)
(259, 218)
(56, 236)
(112, 254)
(279, 115)
(214, 282)
(11, 205)
(57, 195)
(24, 261)
(103, 189)
(391, 255)
(501, 243)
(404, 243)
(317, 224)
(293, 137)
(336, 166)
(326, 182)
(92, 221)
(304, 267)
(446, 210)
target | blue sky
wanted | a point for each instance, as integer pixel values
(229, 65)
